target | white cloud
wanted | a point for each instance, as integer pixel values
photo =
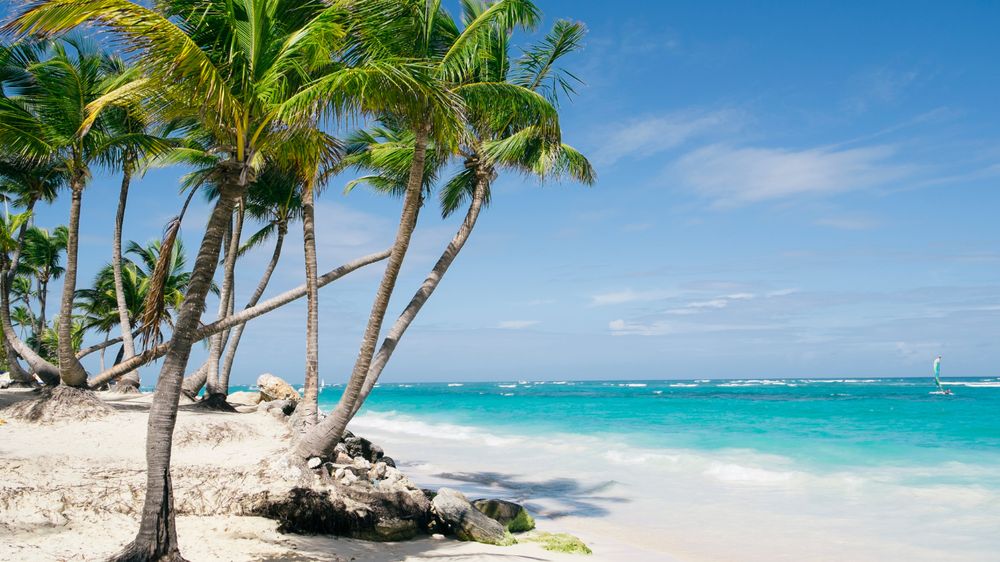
(627, 296)
(732, 176)
(517, 324)
(641, 138)
(664, 328)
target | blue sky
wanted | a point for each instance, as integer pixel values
(789, 189)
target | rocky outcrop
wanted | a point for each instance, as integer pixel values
(275, 388)
(467, 522)
(361, 447)
(514, 517)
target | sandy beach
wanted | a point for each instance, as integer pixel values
(71, 491)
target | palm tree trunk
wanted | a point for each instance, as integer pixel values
(237, 319)
(48, 372)
(70, 369)
(43, 297)
(321, 439)
(130, 381)
(17, 373)
(234, 343)
(157, 537)
(194, 382)
(425, 291)
(216, 390)
(307, 411)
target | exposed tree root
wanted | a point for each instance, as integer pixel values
(59, 404)
(135, 552)
(216, 403)
(125, 388)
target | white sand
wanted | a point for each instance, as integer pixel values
(69, 492)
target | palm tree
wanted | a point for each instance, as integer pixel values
(130, 125)
(67, 77)
(232, 65)
(495, 142)
(422, 30)
(42, 257)
(10, 225)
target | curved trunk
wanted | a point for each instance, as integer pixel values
(215, 386)
(46, 371)
(70, 369)
(130, 381)
(239, 318)
(308, 409)
(234, 343)
(321, 439)
(17, 372)
(194, 382)
(425, 292)
(157, 537)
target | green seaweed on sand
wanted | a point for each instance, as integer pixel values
(559, 542)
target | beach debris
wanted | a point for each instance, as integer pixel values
(509, 514)
(60, 404)
(275, 388)
(558, 542)
(467, 522)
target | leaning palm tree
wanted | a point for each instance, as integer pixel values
(423, 30)
(42, 257)
(232, 65)
(495, 142)
(10, 225)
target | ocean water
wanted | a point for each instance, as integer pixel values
(819, 425)
(784, 469)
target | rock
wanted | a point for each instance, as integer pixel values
(362, 464)
(388, 461)
(343, 458)
(244, 398)
(274, 388)
(509, 514)
(278, 408)
(377, 471)
(348, 478)
(467, 522)
(314, 462)
(362, 513)
(361, 447)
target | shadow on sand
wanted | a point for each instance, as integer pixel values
(579, 500)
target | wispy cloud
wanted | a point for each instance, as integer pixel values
(652, 135)
(732, 175)
(628, 295)
(665, 328)
(517, 324)
(879, 86)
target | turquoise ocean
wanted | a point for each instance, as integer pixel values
(820, 425)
